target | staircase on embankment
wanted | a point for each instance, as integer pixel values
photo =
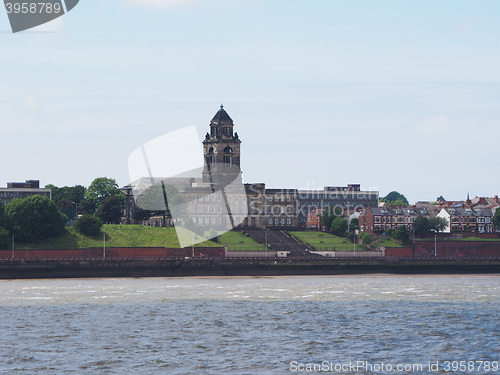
(278, 240)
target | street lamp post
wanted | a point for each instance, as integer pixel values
(266, 245)
(435, 243)
(356, 233)
(13, 247)
(104, 246)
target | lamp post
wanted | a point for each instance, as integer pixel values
(435, 243)
(356, 233)
(104, 246)
(12, 246)
(76, 210)
(266, 245)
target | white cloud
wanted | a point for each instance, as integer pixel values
(434, 125)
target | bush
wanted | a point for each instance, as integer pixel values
(88, 225)
(402, 234)
(365, 238)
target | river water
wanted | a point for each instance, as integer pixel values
(251, 325)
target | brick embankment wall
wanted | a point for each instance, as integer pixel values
(116, 252)
(399, 252)
(467, 249)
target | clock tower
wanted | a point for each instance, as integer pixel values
(221, 149)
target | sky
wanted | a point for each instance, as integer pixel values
(393, 95)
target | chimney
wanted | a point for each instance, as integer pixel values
(496, 199)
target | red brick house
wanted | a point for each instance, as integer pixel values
(313, 221)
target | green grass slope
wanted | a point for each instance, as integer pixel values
(321, 241)
(116, 236)
(237, 241)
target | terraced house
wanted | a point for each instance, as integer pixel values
(381, 219)
(464, 219)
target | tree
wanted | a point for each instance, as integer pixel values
(496, 218)
(88, 207)
(34, 218)
(421, 225)
(440, 198)
(4, 238)
(339, 226)
(354, 224)
(154, 201)
(199, 230)
(140, 214)
(2, 215)
(67, 194)
(111, 210)
(398, 203)
(402, 234)
(4, 233)
(212, 234)
(88, 225)
(365, 238)
(329, 214)
(395, 198)
(100, 189)
(438, 224)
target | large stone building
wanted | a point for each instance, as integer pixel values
(22, 190)
(218, 198)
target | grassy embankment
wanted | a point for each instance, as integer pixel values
(325, 241)
(116, 236)
(386, 241)
(237, 241)
(321, 241)
(458, 239)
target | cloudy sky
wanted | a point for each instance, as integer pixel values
(394, 95)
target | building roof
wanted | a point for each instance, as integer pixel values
(461, 211)
(221, 117)
(395, 211)
(315, 212)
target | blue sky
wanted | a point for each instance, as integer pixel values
(392, 95)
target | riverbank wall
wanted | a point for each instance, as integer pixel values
(182, 267)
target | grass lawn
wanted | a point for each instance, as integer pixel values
(324, 241)
(116, 236)
(386, 241)
(478, 239)
(237, 241)
(458, 239)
